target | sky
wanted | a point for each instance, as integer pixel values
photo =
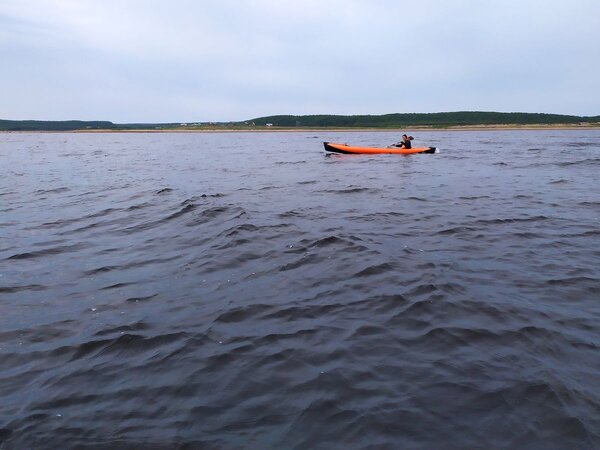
(228, 60)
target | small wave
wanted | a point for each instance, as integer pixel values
(186, 209)
(379, 216)
(223, 212)
(237, 243)
(351, 190)
(303, 261)
(591, 233)
(216, 195)
(243, 313)
(137, 326)
(475, 197)
(52, 191)
(194, 199)
(269, 188)
(452, 288)
(583, 144)
(243, 228)
(422, 289)
(117, 286)
(525, 235)
(375, 270)
(280, 163)
(49, 251)
(511, 220)
(349, 243)
(296, 313)
(61, 223)
(586, 162)
(368, 330)
(574, 281)
(140, 299)
(326, 241)
(125, 344)
(589, 203)
(135, 264)
(13, 289)
(455, 230)
(138, 206)
(200, 217)
(290, 214)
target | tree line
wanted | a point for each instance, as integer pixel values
(443, 119)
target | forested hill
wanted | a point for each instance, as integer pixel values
(74, 125)
(58, 125)
(443, 119)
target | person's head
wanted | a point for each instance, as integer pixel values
(404, 137)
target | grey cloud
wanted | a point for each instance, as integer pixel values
(232, 60)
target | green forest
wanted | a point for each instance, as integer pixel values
(444, 119)
(76, 125)
(438, 120)
(62, 125)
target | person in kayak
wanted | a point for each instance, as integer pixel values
(405, 142)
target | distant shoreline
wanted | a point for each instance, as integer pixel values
(458, 120)
(499, 127)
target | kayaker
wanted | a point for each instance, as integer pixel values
(405, 143)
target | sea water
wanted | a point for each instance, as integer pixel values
(247, 290)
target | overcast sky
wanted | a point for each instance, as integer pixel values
(219, 60)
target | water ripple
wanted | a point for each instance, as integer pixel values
(228, 291)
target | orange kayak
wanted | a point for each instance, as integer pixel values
(343, 148)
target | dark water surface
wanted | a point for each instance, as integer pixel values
(245, 291)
